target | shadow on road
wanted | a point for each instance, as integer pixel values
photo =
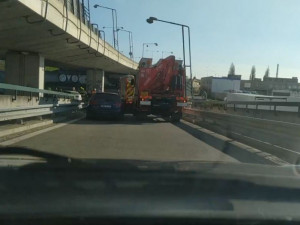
(225, 146)
(127, 120)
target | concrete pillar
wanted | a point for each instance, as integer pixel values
(94, 79)
(103, 80)
(25, 69)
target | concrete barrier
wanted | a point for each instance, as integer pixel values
(271, 136)
(235, 149)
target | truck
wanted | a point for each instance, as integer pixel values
(160, 89)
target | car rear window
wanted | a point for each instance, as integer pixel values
(106, 97)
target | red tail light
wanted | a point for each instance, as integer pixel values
(118, 104)
(145, 98)
(181, 99)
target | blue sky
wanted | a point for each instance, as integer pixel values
(245, 32)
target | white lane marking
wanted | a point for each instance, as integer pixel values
(26, 136)
(257, 140)
(262, 154)
(283, 148)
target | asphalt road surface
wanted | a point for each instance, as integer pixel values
(151, 139)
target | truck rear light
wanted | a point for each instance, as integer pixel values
(146, 98)
(181, 99)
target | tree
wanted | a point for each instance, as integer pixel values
(252, 74)
(267, 73)
(231, 69)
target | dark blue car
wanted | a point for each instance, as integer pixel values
(105, 105)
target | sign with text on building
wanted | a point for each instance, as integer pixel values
(72, 78)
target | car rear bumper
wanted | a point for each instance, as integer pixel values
(104, 113)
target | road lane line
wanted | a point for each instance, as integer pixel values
(30, 135)
(264, 142)
(265, 155)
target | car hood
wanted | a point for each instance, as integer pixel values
(22, 158)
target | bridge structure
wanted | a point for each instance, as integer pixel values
(38, 34)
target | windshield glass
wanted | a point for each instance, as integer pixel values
(189, 92)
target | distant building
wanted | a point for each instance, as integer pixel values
(217, 87)
(269, 84)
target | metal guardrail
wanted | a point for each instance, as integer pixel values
(31, 90)
(40, 109)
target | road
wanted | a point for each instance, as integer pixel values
(151, 139)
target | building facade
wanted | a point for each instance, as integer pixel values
(217, 87)
(269, 84)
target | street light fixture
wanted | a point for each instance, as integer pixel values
(115, 23)
(162, 53)
(130, 41)
(151, 19)
(147, 44)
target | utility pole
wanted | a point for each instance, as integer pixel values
(277, 70)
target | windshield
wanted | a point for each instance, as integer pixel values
(169, 89)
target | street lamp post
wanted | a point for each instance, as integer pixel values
(162, 53)
(113, 29)
(130, 41)
(150, 20)
(115, 23)
(147, 44)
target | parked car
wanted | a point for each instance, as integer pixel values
(78, 96)
(105, 105)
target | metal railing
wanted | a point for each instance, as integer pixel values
(275, 105)
(38, 99)
(30, 90)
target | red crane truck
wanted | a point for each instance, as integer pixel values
(160, 88)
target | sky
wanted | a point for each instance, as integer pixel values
(244, 32)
